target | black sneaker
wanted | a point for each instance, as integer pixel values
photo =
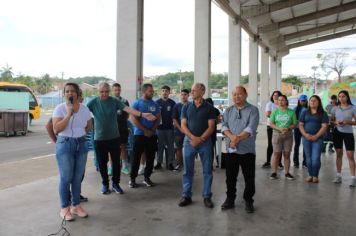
(228, 204)
(289, 176)
(177, 168)
(170, 167)
(158, 166)
(83, 199)
(148, 182)
(296, 165)
(249, 207)
(185, 201)
(208, 203)
(132, 184)
(273, 176)
(266, 165)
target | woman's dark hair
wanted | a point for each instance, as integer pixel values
(346, 93)
(299, 107)
(285, 97)
(210, 101)
(320, 109)
(74, 85)
(276, 91)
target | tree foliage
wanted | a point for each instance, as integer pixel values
(333, 62)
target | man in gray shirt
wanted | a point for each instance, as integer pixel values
(240, 122)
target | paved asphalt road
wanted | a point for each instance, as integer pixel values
(35, 144)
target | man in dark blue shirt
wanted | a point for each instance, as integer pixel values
(178, 132)
(198, 123)
(145, 138)
(165, 131)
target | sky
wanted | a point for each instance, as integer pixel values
(78, 38)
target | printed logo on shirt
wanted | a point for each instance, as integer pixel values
(168, 108)
(283, 119)
(152, 108)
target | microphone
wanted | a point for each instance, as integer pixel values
(71, 100)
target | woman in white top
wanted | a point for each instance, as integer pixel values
(270, 106)
(71, 121)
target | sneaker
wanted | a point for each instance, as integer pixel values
(83, 199)
(158, 166)
(177, 168)
(170, 167)
(296, 165)
(117, 189)
(266, 165)
(110, 170)
(148, 182)
(141, 171)
(228, 204)
(208, 203)
(280, 166)
(249, 207)
(337, 180)
(79, 211)
(273, 176)
(66, 215)
(305, 166)
(353, 183)
(125, 170)
(132, 184)
(289, 176)
(185, 201)
(105, 189)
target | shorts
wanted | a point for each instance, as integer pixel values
(347, 138)
(282, 142)
(124, 137)
(178, 141)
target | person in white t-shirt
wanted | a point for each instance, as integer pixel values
(271, 106)
(71, 121)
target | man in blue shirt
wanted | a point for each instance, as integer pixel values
(240, 122)
(145, 138)
(165, 129)
(198, 123)
(178, 132)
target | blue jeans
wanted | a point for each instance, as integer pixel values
(71, 155)
(312, 154)
(205, 154)
(297, 139)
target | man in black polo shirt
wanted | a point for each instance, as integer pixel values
(198, 123)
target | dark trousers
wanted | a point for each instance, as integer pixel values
(102, 149)
(149, 146)
(269, 147)
(297, 140)
(247, 163)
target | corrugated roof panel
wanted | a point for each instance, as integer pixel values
(303, 9)
(281, 15)
(325, 4)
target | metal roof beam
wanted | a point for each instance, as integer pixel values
(308, 17)
(252, 11)
(311, 31)
(321, 39)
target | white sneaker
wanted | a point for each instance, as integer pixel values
(353, 183)
(141, 171)
(337, 180)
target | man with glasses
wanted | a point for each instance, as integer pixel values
(240, 122)
(107, 138)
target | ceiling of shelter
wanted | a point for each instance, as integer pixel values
(280, 25)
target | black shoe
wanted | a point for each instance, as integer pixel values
(249, 207)
(185, 201)
(273, 176)
(177, 168)
(296, 165)
(170, 167)
(158, 166)
(148, 182)
(132, 184)
(83, 199)
(289, 176)
(208, 203)
(266, 165)
(228, 204)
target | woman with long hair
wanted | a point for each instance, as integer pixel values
(71, 121)
(302, 105)
(343, 117)
(283, 120)
(313, 124)
(270, 107)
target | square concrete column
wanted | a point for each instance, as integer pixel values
(273, 74)
(202, 53)
(279, 73)
(234, 76)
(253, 71)
(129, 50)
(264, 84)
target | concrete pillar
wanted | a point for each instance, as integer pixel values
(264, 84)
(253, 71)
(273, 75)
(279, 73)
(202, 53)
(234, 76)
(129, 50)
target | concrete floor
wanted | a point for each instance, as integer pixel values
(282, 207)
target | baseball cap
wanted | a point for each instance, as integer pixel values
(303, 97)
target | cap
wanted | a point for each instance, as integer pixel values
(303, 97)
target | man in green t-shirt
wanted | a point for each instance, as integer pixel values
(107, 137)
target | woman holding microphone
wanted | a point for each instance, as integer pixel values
(71, 121)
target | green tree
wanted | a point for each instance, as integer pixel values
(333, 62)
(44, 84)
(292, 79)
